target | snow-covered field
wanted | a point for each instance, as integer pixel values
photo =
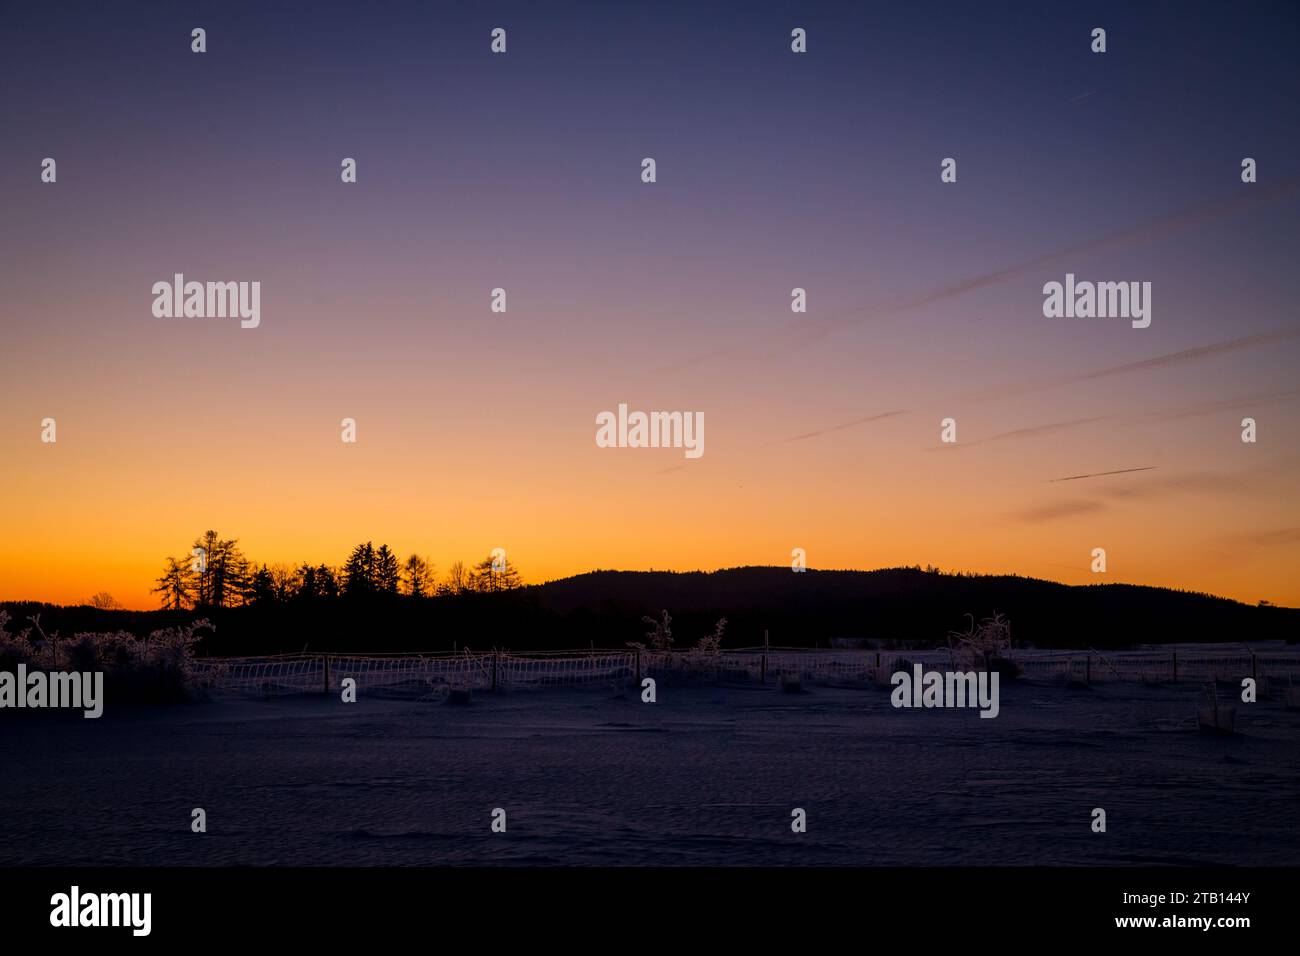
(707, 775)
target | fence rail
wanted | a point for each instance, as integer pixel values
(434, 675)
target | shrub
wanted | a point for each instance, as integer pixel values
(986, 646)
(157, 669)
(661, 638)
(711, 644)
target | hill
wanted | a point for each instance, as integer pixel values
(903, 606)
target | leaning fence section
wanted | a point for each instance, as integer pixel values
(433, 675)
(423, 675)
(260, 676)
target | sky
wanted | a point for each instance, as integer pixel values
(774, 170)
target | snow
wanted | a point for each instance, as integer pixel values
(707, 775)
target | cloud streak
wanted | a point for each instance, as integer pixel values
(1225, 405)
(1184, 356)
(1103, 474)
(808, 332)
(853, 424)
(1057, 510)
(1215, 483)
(1167, 360)
(1033, 431)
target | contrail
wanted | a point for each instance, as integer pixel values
(1181, 357)
(1191, 355)
(1030, 431)
(856, 421)
(1225, 405)
(805, 333)
(1102, 474)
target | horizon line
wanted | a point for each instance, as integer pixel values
(928, 569)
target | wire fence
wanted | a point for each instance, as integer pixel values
(422, 676)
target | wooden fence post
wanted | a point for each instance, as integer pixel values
(326, 669)
(495, 655)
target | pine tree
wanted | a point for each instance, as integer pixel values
(388, 573)
(308, 588)
(327, 582)
(261, 587)
(359, 571)
(220, 571)
(235, 579)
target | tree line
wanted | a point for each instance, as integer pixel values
(216, 573)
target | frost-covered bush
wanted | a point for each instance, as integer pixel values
(711, 644)
(702, 660)
(16, 649)
(661, 637)
(153, 670)
(984, 646)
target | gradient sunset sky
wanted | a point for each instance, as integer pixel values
(775, 170)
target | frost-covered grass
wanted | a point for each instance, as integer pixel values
(156, 669)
